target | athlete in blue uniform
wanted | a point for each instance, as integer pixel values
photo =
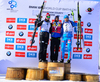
(67, 37)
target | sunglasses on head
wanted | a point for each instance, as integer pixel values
(48, 16)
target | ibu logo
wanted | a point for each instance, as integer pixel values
(32, 54)
(20, 47)
(13, 4)
(21, 20)
(9, 40)
(88, 37)
(31, 27)
(77, 56)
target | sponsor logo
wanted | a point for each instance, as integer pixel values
(21, 40)
(9, 46)
(47, 55)
(75, 49)
(66, 49)
(10, 33)
(21, 20)
(20, 47)
(59, 21)
(88, 24)
(33, 48)
(13, 4)
(77, 56)
(88, 37)
(87, 43)
(31, 27)
(21, 34)
(19, 54)
(10, 26)
(9, 40)
(31, 33)
(21, 27)
(8, 53)
(88, 50)
(87, 56)
(32, 54)
(10, 20)
(81, 23)
(90, 31)
(32, 20)
(65, 57)
(75, 29)
(89, 9)
(75, 36)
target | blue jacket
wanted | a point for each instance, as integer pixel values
(56, 35)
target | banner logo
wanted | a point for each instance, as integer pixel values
(88, 37)
(19, 54)
(10, 26)
(21, 27)
(87, 56)
(10, 33)
(31, 33)
(9, 40)
(9, 46)
(88, 50)
(75, 36)
(8, 53)
(77, 56)
(88, 24)
(32, 54)
(33, 48)
(75, 49)
(87, 43)
(89, 9)
(20, 40)
(32, 20)
(20, 47)
(13, 4)
(21, 34)
(90, 31)
(21, 20)
(10, 20)
(31, 27)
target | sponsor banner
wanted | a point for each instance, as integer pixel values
(9, 46)
(89, 31)
(21, 20)
(19, 54)
(31, 27)
(21, 40)
(75, 49)
(20, 47)
(10, 33)
(87, 43)
(88, 37)
(31, 33)
(33, 48)
(10, 20)
(32, 20)
(21, 27)
(77, 56)
(81, 23)
(75, 36)
(87, 56)
(31, 55)
(9, 40)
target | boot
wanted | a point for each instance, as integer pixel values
(55, 61)
(44, 61)
(62, 61)
(51, 60)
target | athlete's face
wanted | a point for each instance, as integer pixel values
(66, 19)
(57, 19)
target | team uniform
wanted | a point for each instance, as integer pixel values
(56, 33)
(67, 37)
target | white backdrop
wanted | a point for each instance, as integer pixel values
(22, 17)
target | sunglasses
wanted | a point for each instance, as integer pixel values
(48, 16)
